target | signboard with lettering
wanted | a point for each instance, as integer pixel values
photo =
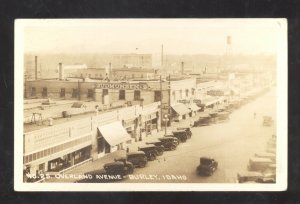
(134, 86)
(215, 93)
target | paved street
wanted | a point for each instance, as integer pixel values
(231, 144)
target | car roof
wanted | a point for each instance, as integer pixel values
(249, 173)
(137, 152)
(178, 131)
(152, 142)
(117, 163)
(266, 154)
(146, 146)
(259, 159)
(206, 158)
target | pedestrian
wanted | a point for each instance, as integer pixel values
(127, 149)
(254, 115)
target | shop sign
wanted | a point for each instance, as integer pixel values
(189, 101)
(136, 86)
(215, 93)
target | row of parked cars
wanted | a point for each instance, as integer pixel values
(122, 166)
(262, 166)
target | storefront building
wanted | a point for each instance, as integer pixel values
(58, 148)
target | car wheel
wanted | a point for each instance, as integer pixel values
(152, 157)
(142, 164)
(173, 147)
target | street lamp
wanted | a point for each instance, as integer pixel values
(166, 119)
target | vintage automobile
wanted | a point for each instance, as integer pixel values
(267, 121)
(222, 116)
(203, 121)
(169, 143)
(267, 178)
(188, 131)
(138, 159)
(268, 155)
(181, 135)
(159, 147)
(119, 168)
(207, 166)
(172, 136)
(259, 164)
(150, 151)
(248, 176)
(271, 150)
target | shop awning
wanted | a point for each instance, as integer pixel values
(209, 101)
(180, 109)
(114, 133)
(194, 107)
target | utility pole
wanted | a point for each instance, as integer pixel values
(160, 87)
(162, 55)
(78, 95)
(35, 64)
(169, 92)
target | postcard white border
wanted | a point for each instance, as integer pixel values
(281, 182)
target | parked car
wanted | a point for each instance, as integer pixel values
(119, 168)
(159, 147)
(188, 131)
(267, 178)
(150, 151)
(268, 155)
(176, 140)
(181, 135)
(169, 143)
(223, 116)
(248, 176)
(203, 121)
(259, 164)
(267, 121)
(138, 158)
(207, 166)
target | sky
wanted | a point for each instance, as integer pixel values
(179, 36)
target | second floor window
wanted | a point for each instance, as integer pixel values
(122, 95)
(137, 95)
(62, 92)
(33, 91)
(157, 96)
(45, 92)
(90, 93)
(75, 93)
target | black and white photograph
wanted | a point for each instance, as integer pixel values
(150, 104)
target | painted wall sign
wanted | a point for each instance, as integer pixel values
(136, 86)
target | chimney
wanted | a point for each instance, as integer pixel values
(182, 68)
(35, 67)
(60, 71)
(109, 69)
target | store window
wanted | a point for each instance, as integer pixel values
(33, 91)
(193, 91)
(105, 92)
(122, 95)
(186, 93)
(137, 95)
(75, 93)
(62, 92)
(90, 93)
(81, 75)
(173, 95)
(157, 96)
(45, 92)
